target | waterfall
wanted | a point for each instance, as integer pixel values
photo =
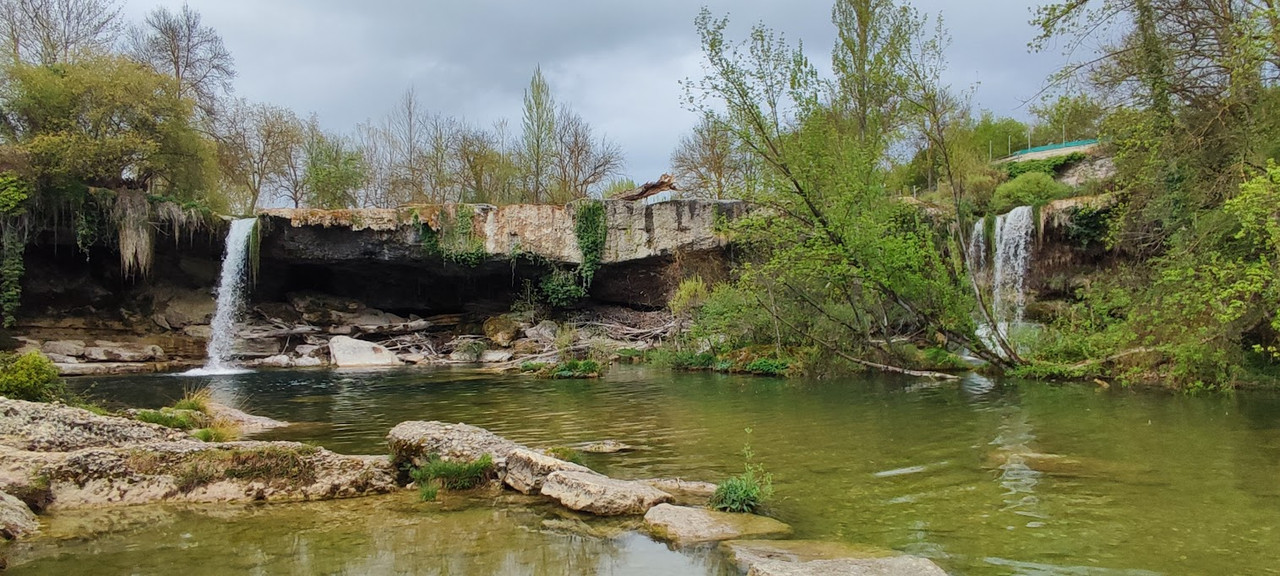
(1011, 261)
(230, 300)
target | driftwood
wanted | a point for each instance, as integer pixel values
(665, 183)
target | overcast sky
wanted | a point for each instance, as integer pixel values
(618, 64)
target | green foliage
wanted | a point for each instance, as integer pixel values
(1029, 189)
(181, 419)
(30, 377)
(768, 367)
(689, 295)
(12, 268)
(1048, 166)
(591, 227)
(454, 239)
(562, 288)
(747, 492)
(567, 370)
(1089, 227)
(438, 473)
(14, 192)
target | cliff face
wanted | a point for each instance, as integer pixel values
(408, 258)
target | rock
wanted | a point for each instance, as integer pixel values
(544, 332)
(412, 442)
(306, 350)
(277, 361)
(467, 354)
(106, 368)
(370, 317)
(501, 330)
(528, 469)
(683, 525)
(603, 447)
(16, 519)
(72, 348)
(188, 308)
(601, 495)
(307, 362)
(528, 346)
(413, 358)
(191, 471)
(60, 359)
(39, 427)
(114, 352)
(684, 492)
(813, 558)
(496, 356)
(348, 352)
(247, 423)
(201, 332)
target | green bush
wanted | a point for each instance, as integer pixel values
(562, 288)
(30, 377)
(768, 366)
(1030, 189)
(744, 493)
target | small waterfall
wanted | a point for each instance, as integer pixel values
(1013, 258)
(230, 300)
(1011, 261)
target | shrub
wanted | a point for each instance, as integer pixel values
(768, 366)
(30, 377)
(744, 493)
(1030, 189)
(562, 288)
(454, 475)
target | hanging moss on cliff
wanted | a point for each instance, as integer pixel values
(591, 226)
(453, 236)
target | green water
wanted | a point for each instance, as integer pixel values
(985, 478)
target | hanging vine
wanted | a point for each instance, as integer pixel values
(591, 228)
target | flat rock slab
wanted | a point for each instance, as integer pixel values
(413, 442)
(603, 447)
(351, 353)
(683, 525)
(601, 495)
(248, 423)
(40, 427)
(528, 469)
(818, 558)
(16, 520)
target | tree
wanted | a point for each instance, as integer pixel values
(51, 31)
(538, 141)
(709, 164)
(255, 147)
(1068, 118)
(334, 170)
(178, 45)
(581, 162)
(105, 122)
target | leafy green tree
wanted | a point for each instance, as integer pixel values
(538, 141)
(334, 171)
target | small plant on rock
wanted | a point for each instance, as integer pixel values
(746, 492)
(438, 473)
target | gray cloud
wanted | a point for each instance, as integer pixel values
(617, 63)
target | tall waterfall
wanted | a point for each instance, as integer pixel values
(230, 300)
(1011, 261)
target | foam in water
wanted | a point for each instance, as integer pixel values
(230, 302)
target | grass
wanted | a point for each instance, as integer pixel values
(193, 470)
(438, 473)
(192, 412)
(196, 400)
(172, 418)
(566, 453)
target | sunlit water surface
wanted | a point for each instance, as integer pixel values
(985, 478)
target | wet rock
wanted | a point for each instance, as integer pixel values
(306, 350)
(187, 308)
(201, 332)
(684, 492)
(71, 348)
(603, 447)
(307, 362)
(349, 352)
(105, 368)
(528, 346)
(814, 558)
(277, 361)
(16, 519)
(42, 427)
(544, 332)
(60, 359)
(496, 356)
(247, 423)
(684, 525)
(501, 330)
(601, 495)
(528, 469)
(412, 443)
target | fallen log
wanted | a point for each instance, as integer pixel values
(665, 183)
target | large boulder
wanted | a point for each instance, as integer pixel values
(413, 442)
(103, 351)
(527, 469)
(40, 427)
(349, 352)
(187, 308)
(16, 519)
(501, 330)
(68, 348)
(812, 558)
(601, 495)
(683, 525)
(544, 332)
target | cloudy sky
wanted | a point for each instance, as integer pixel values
(617, 63)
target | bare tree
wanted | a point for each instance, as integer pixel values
(176, 44)
(581, 162)
(50, 31)
(255, 143)
(709, 164)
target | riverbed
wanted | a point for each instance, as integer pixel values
(983, 477)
